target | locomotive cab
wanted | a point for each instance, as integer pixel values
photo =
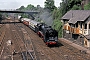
(38, 27)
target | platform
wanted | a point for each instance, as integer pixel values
(75, 45)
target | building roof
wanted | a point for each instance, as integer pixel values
(76, 15)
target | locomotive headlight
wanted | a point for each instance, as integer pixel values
(47, 40)
(21, 20)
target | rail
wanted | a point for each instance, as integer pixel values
(23, 56)
(33, 56)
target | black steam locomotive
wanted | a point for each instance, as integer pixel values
(49, 35)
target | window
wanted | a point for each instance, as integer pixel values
(89, 26)
(81, 25)
(76, 25)
(85, 26)
(66, 22)
(73, 25)
(85, 42)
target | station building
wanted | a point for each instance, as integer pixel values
(76, 26)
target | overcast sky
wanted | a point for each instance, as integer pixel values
(13, 4)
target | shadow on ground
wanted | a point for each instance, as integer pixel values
(57, 45)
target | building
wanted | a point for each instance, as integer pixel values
(76, 26)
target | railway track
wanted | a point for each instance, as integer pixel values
(25, 30)
(2, 33)
(5, 52)
(66, 52)
(3, 41)
(75, 52)
(45, 51)
(18, 45)
(28, 44)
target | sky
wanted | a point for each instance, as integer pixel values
(14, 4)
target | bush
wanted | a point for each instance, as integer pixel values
(75, 7)
(57, 25)
(87, 6)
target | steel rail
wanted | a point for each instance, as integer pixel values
(24, 58)
(31, 55)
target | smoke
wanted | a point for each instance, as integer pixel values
(46, 17)
(43, 15)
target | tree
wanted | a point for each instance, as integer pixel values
(21, 8)
(63, 7)
(75, 7)
(87, 6)
(67, 5)
(71, 3)
(49, 4)
(30, 7)
(0, 16)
